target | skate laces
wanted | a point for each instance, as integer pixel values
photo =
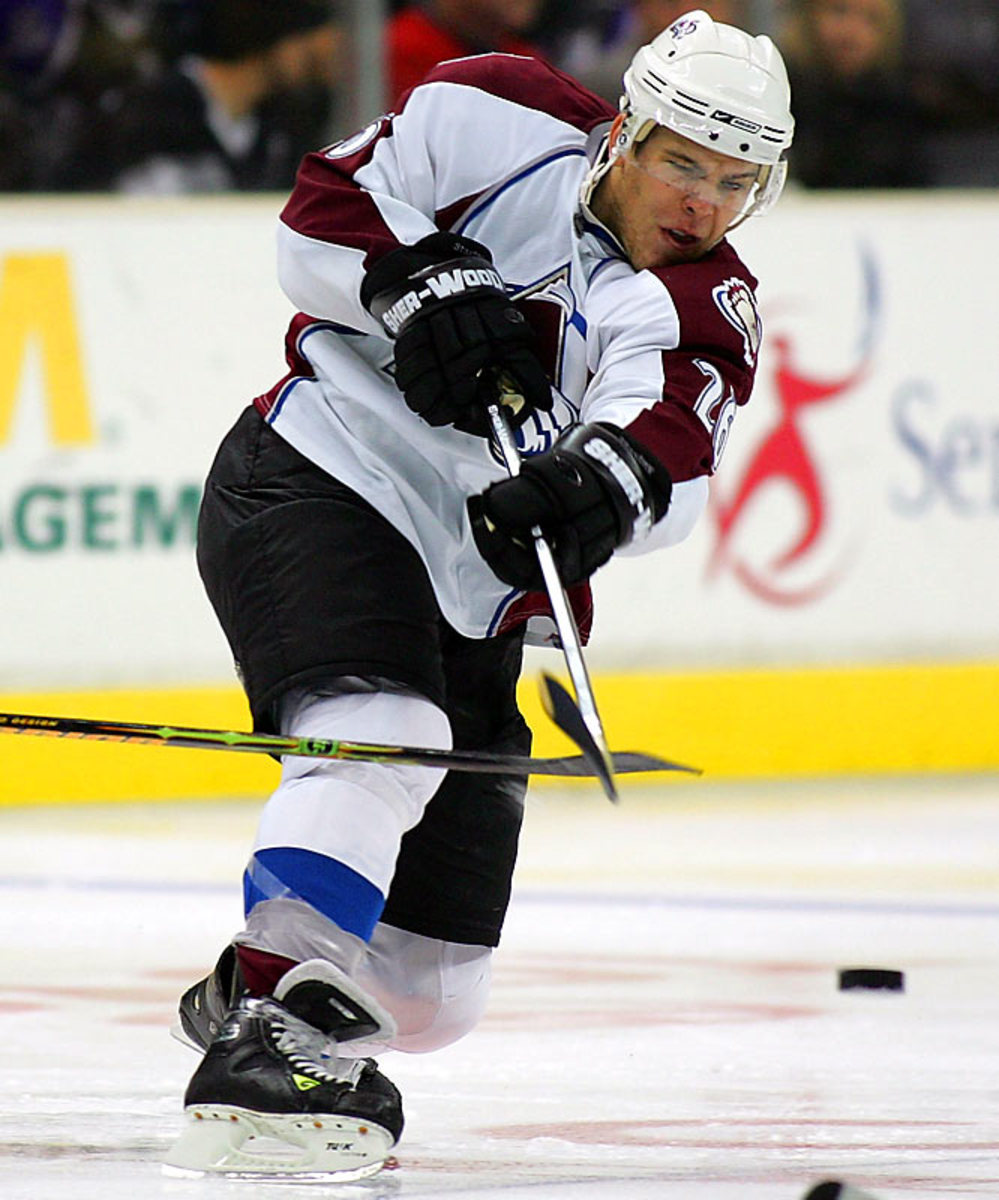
(305, 1047)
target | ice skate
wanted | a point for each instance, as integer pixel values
(273, 1099)
(204, 1005)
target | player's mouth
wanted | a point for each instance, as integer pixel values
(681, 239)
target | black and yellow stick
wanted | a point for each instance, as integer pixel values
(189, 738)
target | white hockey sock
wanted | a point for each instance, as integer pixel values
(329, 836)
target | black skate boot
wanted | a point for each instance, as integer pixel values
(273, 1099)
(203, 1006)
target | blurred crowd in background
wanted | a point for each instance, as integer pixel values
(171, 96)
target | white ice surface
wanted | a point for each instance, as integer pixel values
(665, 1020)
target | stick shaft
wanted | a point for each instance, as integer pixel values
(192, 738)
(565, 622)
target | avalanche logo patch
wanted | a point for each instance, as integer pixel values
(683, 27)
(737, 305)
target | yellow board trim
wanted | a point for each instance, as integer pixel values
(939, 717)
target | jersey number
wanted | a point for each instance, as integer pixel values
(716, 407)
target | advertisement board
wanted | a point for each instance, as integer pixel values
(131, 335)
(855, 508)
(851, 525)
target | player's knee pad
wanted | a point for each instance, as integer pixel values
(436, 990)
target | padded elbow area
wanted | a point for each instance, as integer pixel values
(436, 991)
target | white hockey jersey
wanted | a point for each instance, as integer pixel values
(495, 147)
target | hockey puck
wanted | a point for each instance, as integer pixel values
(871, 979)
(832, 1189)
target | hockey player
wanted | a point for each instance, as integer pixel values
(372, 565)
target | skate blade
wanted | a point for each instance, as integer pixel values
(220, 1139)
(180, 1034)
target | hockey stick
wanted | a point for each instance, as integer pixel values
(578, 719)
(189, 738)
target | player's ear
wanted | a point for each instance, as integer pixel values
(616, 139)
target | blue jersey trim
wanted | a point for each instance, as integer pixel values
(604, 262)
(283, 395)
(501, 609)
(307, 332)
(333, 326)
(513, 180)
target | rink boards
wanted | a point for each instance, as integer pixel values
(833, 612)
(733, 725)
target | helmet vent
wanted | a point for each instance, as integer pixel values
(692, 108)
(693, 102)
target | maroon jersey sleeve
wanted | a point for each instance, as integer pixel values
(530, 83)
(710, 373)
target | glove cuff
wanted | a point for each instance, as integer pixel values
(637, 484)
(656, 479)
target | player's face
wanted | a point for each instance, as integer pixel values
(670, 200)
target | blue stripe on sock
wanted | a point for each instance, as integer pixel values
(332, 888)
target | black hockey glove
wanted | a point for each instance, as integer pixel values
(592, 492)
(455, 332)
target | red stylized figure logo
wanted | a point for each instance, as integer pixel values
(783, 457)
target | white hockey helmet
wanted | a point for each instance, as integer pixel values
(721, 88)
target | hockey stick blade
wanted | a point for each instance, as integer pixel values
(564, 712)
(559, 706)
(191, 738)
